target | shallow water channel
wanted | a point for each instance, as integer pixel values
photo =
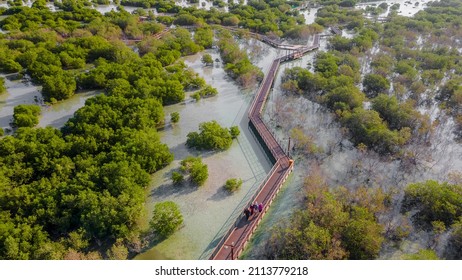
(406, 7)
(202, 4)
(22, 91)
(209, 210)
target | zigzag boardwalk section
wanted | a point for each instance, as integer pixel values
(233, 243)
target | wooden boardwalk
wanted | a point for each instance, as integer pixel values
(233, 242)
(302, 7)
(266, 39)
(336, 31)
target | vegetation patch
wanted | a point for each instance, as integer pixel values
(2, 85)
(434, 202)
(385, 128)
(78, 192)
(207, 59)
(212, 136)
(238, 64)
(26, 115)
(208, 91)
(175, 117)
(166, 219)
(233, 184)
(338, 224)
(437, 208)
(198, 172)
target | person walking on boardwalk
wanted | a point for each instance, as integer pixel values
(255, 206)
(260, 207)
(247, 213)
(251, 209)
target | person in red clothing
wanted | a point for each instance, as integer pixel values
(260, 207)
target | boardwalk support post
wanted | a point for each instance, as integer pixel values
(288, 148)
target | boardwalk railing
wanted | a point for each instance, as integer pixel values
(240, 233)
(228, 233)
(268, 138)
(263, 38)
(267, 201)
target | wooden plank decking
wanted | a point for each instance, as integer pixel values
(233, 243)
